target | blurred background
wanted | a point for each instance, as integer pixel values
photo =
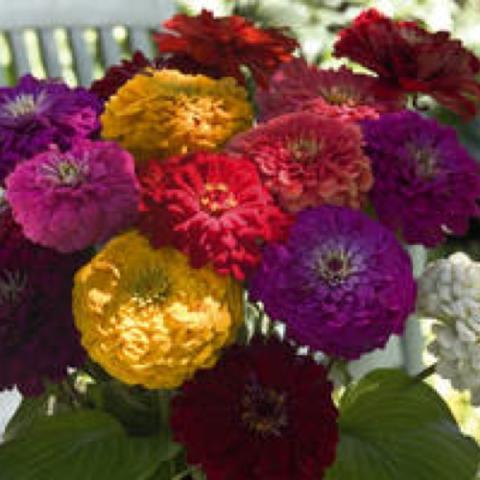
(78, 39)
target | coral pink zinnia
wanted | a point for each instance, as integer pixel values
(308, 160)
(343, 94)
(414, 60)
(72, 200)
(213, 208)
(227, 43)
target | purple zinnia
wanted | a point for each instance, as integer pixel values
(426, 183)
(71, 200)
(38, 340)
(342, 283)
(38, 113)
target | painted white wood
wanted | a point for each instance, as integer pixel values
(9, 402)
(140, 39)
(109, 47)
(49, 50)
(19, 51)
(82, 57)
(20, 14)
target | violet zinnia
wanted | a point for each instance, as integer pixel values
(71, 200)
(38, 340)
(342, 283)
(426, 183)
(37, 113)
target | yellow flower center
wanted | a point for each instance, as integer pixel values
(150, 286)
(217, 198)
(304, 150)
(335, 266)
(339, 96)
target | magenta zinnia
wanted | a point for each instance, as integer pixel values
(269, 412)
(307, 160)
(212, 207)
(74, 199)
(37, 338)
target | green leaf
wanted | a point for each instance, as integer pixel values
(81, 445)
(395, 428)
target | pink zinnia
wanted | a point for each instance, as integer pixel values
(71, 200)
(307, 160)
(297, 86)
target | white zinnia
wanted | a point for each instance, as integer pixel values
(449, 292)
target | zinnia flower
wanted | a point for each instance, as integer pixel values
(342, 283)
(38, 113)
(307, 160)
(213, 208)
(297, 86)
(148, 318)
(118, 75)
(408, 57)
(71, 200)
(37, 338)
(168, 113)
(270, 413)
(227, 43)
(449, 293)
(426, 184)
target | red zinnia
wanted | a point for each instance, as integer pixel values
(117, 75)
(307, 160)
(227, 43)
(414, 60)
(213, 208)
(343, 94)
(261, 413)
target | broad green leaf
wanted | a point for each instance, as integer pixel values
(81, 445)
(394, 428)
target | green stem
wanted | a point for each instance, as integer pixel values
(424, 374)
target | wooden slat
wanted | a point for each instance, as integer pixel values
(19, 52)
(49, 49)
(110, 49)
(82, 58)
(140, 39)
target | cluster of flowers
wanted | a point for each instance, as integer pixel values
(192, 201)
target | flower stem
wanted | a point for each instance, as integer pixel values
(424, 374)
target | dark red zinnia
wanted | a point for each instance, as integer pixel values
(212, 207)
(261, 413)
(117, 75)
(413, 59)
(343, 94)
(227, 43)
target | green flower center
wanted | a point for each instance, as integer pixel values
(339, 96)
(66, 171)
(264, 410)
(151, 286)
(12, 285)
(304, 150)
(425, 160)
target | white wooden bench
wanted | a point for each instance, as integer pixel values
(39, 21)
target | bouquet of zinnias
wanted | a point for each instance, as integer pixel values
(193, 250)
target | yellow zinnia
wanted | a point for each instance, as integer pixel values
(161, 113)
(148, 318)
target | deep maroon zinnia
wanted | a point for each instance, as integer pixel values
(297, 86)
(426, 183)
(38, 113)
(262, 413)
(117, 75)
(37, 338)
(213, 207)
(414, 60)
(342, 283)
